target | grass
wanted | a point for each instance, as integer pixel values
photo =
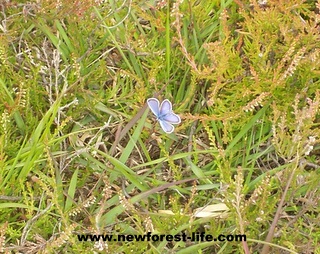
(81, 152)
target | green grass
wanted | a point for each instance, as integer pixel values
(81, 153)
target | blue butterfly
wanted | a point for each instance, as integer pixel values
(164, 114)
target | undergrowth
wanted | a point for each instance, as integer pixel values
(81, 154)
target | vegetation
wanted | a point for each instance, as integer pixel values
(82, 154)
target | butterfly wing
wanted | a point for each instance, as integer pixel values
(166, 126)
(167, 114)
(154, 105)
(172, 118)
(165, 108)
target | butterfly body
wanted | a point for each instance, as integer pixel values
(164, 114)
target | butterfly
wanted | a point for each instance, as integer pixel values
(164, 114)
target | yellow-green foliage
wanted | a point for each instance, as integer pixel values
(79, 154)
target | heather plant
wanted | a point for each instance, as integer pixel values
(81, 153)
